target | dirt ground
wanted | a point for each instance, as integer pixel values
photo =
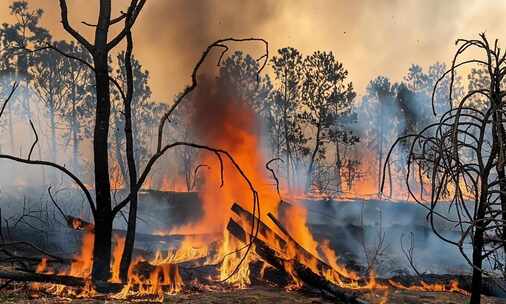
(256, 295)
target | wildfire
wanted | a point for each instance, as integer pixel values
(230, 125)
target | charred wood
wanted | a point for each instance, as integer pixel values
(305, 274)
(267, 232)
(263, 230)
(58, 279)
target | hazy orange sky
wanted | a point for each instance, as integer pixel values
(370, 37)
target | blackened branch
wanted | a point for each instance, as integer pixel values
(13, 89)
(274, 173)
(71, 30)
(35, 141)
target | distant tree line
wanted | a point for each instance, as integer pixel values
(327, 138)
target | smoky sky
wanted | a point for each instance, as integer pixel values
(370, 37)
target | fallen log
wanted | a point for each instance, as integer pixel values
(71, 281)
(58, 279)
(302, 272)
(289, 242)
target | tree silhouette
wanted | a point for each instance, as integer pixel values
(25, 33)
(238, 74)
(291, 140)
(326, 100)
(379, 106)
(79, 99)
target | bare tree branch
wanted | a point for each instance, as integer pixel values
(71, 30)
(132, 13)
(36, 140)
(59, 168)
(13, 89)
(274, 173)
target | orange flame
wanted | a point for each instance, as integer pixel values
(437, 287)
(177, 184)
(116, 258)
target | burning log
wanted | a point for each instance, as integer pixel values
(322, 266)
(263, 229)
(291, 243)
(305, 274)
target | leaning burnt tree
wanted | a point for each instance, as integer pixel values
(102, 210)
(461, 158)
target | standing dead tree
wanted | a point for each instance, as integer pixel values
(461, 158)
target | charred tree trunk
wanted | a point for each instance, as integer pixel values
(502, 187)
(499, 138)
(99, 49)
(380, 144)
(104, 216)
(479, 242)
(126, 257)
(102, 247)
(477, 263)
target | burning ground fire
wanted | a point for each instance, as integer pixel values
(285, 244)
(160, 275)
